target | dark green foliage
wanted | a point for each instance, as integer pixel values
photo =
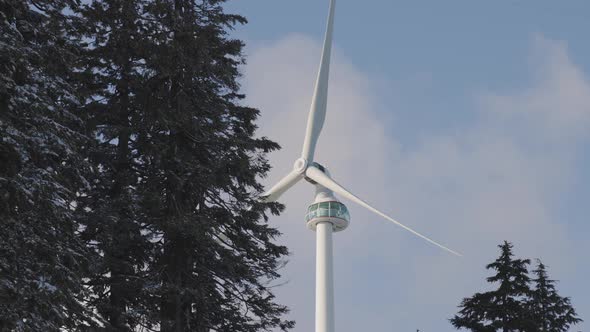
(200, 165)
(501, 309)
(129, 171)
(153, 222)
(42, 261)
(550, 311)
(514, 306)
(173, 214)
(113, 75)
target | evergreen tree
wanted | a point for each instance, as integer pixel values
(42, 261)
(551, 312)
(200, 167)
(113, 71)
(503, 309)
(184, 244)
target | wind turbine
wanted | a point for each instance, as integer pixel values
(326, 215)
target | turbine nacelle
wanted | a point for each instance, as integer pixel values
(326, 207)
(321, 168)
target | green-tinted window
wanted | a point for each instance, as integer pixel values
(327, 209)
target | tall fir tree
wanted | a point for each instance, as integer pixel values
(503, 309)
(201, 164)
(184, 244)
(113, 72)
(551, 312)
(42, 170)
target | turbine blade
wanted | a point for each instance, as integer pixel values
(318, 176)
(317, 112)
(281, 187)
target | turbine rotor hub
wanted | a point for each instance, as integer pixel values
(300, 165)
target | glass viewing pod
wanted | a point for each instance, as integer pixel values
(332, 211)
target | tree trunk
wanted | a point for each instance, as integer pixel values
(117, 262)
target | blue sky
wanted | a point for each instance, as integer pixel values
(467, 120)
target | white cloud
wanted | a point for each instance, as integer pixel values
(559, 100)
(471, 190)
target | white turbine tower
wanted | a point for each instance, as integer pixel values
(326, 215)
